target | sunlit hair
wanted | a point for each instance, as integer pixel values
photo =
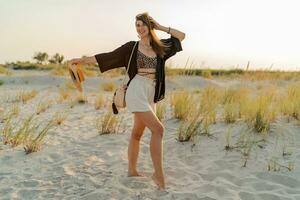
(156, 44)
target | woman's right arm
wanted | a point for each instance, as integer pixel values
(107, 60)
(84, 60)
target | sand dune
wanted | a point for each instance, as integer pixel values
(77, 163)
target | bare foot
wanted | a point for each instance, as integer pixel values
(131, 174)
(159, 181)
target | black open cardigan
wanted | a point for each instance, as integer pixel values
(120, 58)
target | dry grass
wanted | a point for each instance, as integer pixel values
(34, 144)
(91, 72)
(109, 87)
(108, 123)
(209, 100)
(25, 96)
(233, 100)
(7, 130)
(59, 71)
(24, 132)
(190, 128)
(4, 70)
(60, 117)
(260, 111)
(64, 94)
(99, 102)
(12, 111)
(290, 102)
(181, 102)
(275, 165)
(161, 108)
(43, 105)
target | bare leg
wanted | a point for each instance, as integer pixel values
(134, 146)
(156, 149)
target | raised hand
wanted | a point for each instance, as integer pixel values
(154, 23)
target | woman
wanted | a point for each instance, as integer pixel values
(146, 85)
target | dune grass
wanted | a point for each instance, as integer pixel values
(260, 111)
(24, 96)
(236, 73)
(60, 117)
(7, 130)
(4, 70)
(99, 101)
(181, 102)
(190, 128)
(12, 111)
(290, 102)
(64, 94)
(60, 71)
(1, 82)
(43, 105)
(34, 143)
(209, 101)
(23, 133)
(109, 87)
(232, 101)
(161, 109)
(108, 123)
(275, 165)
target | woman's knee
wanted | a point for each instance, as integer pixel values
(136, 136)
(137, 132)
(159, 130)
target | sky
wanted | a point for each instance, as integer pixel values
(219, 34)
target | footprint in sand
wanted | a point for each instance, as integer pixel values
(93, 159)
(69, 171)
(135, 182)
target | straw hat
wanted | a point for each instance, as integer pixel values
(77, 75)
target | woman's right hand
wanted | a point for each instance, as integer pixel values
(75, 61)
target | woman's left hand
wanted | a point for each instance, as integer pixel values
(155, 24)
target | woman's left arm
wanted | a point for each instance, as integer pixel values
(174, 32)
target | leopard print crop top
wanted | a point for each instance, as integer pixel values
(144, 61)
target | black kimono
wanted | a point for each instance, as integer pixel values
(120, 58)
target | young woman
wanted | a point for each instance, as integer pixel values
(146, 85)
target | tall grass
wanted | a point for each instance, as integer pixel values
(161, 109)
(23, 133)
(10, 112)
(99, 102)
(34, 144)
(59, 117)
(260, 111)
(7, 130)
(108, 123)
(42, 106)
(209, 100)
(64, 94)
(4, 70)
(190, 128)
(181, 102)
(109, 87)
(290, 102)
(25, 96)
(232, 100)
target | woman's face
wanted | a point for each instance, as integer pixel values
(141, 28)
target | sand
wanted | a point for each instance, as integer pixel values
(78, 163)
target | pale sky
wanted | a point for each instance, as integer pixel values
(219, 33)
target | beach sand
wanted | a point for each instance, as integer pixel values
(78, 163)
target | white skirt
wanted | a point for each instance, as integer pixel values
(140, 94)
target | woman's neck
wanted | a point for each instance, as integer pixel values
(145, 41)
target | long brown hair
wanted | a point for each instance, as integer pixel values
(158, 47)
